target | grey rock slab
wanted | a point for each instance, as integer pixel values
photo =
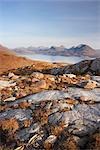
(96, 78)
(48, 95)
(24, 134)
(42, 96)
(19, 114)
(83, 118)
(55, 117)
(95, 66)
(93, 95)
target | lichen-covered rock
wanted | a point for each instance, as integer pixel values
(90, 84)
(91, 67)
(41, 84)
(19, 114)
(84, 94)
(4, 84)
(48, 143)
(95, 66)
(10, 125)
(70, 75)
(37, 75)
(43, 111)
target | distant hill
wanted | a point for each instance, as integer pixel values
(80, 50)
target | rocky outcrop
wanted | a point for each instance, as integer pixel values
(44, 119)
(91, 67)
(48, 112)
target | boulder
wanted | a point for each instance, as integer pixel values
(37, 75)
(48, 143)
(90, 84)
(95, 66)
(70, 75)
(41, 84)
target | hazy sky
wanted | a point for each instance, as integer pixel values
(49, 22)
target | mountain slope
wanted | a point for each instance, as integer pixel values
(83, 50)
(9, 60)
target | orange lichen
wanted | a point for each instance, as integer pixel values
(47, 146)
(70, 144)
(10, 125)
(56, 130)
(2, 108)
(95, 139)
(24, 105)
(27, 123)
(70, 101)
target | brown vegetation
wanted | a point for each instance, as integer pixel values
(10, 125)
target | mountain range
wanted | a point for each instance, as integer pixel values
(80, 50)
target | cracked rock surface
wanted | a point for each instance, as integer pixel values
(48, 112)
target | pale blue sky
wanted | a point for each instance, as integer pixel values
(49, 22)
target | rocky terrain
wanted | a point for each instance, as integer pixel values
(50, 109)
(80, 50)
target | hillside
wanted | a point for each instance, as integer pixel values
(9, 60)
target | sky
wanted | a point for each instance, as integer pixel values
(49, 22)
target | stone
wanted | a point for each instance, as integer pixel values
(37, 75)
(4, 84)
(41, 84)
(95, 66)
(96, 78)
(55, 117)
(50, 78)
(10, 99)
(88, 95)
(19, 114)
(35, 80)
(48, 143)
(65, 106)
(90, 84)
(47, 95)
(70, 75)
(11, 74)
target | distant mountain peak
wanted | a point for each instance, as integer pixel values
(81, 45)
(52, 47)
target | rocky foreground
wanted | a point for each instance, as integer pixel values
(55, 109)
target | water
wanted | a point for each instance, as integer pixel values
(50, 58)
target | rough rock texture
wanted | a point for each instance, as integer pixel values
(91, 67)
(47, 112)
